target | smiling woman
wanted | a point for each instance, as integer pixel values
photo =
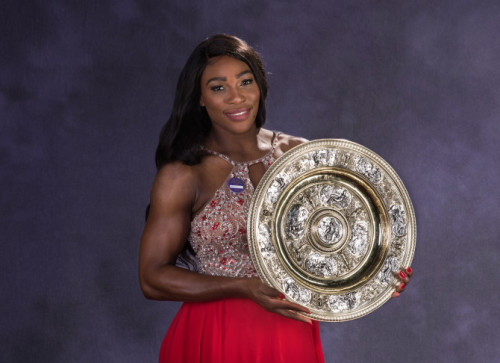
(230, 95)
(212, 154)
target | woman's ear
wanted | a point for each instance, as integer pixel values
(202, 102)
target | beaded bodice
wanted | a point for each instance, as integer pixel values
(218, 232)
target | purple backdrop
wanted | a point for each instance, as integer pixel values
(86, 86)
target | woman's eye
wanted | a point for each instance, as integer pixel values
(217, 88)
(246, 82)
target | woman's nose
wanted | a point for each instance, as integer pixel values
(234, 95)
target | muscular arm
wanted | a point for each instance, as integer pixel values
(164, 236)
(173, 195)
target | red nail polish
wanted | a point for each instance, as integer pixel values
(402, 286)
(409, 270)
(281, 296)
(402, 274)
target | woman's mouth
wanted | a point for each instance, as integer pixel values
(239, 114)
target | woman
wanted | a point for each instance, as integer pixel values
(212, 153)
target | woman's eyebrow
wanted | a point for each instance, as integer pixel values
(239, 75)
(223, 79)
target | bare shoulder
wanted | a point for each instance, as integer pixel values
(175, 182)
(287, 142)
(175, 172)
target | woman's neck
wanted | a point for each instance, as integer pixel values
(240, 147)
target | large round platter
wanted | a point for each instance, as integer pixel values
(329, 225)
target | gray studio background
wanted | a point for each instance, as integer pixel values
(86, 86)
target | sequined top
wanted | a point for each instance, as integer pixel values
(218, 232)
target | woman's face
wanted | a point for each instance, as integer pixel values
(230, 94)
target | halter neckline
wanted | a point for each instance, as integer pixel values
(250, 162)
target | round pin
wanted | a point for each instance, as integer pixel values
(236, 185)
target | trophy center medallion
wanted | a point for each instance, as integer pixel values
(330, 230)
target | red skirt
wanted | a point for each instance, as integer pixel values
(238, 330)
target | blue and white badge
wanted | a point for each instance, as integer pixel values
(236, 185)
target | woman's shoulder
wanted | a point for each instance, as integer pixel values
(175, 170)
(286, 142)
(176, 177)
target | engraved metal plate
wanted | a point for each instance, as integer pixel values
(329, 225)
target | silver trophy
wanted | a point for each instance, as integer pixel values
(329, 225)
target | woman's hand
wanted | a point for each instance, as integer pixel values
(274, 301)
(404, 279)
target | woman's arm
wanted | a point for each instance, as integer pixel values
(173, 194)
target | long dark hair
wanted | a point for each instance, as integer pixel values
(188, 126)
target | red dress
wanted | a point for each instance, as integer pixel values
(234, 330)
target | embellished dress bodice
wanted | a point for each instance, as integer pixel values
(218, 232)
(234, 329)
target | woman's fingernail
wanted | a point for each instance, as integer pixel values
(409, 270)
(402, 274)
(281, 296)
(402, 286)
